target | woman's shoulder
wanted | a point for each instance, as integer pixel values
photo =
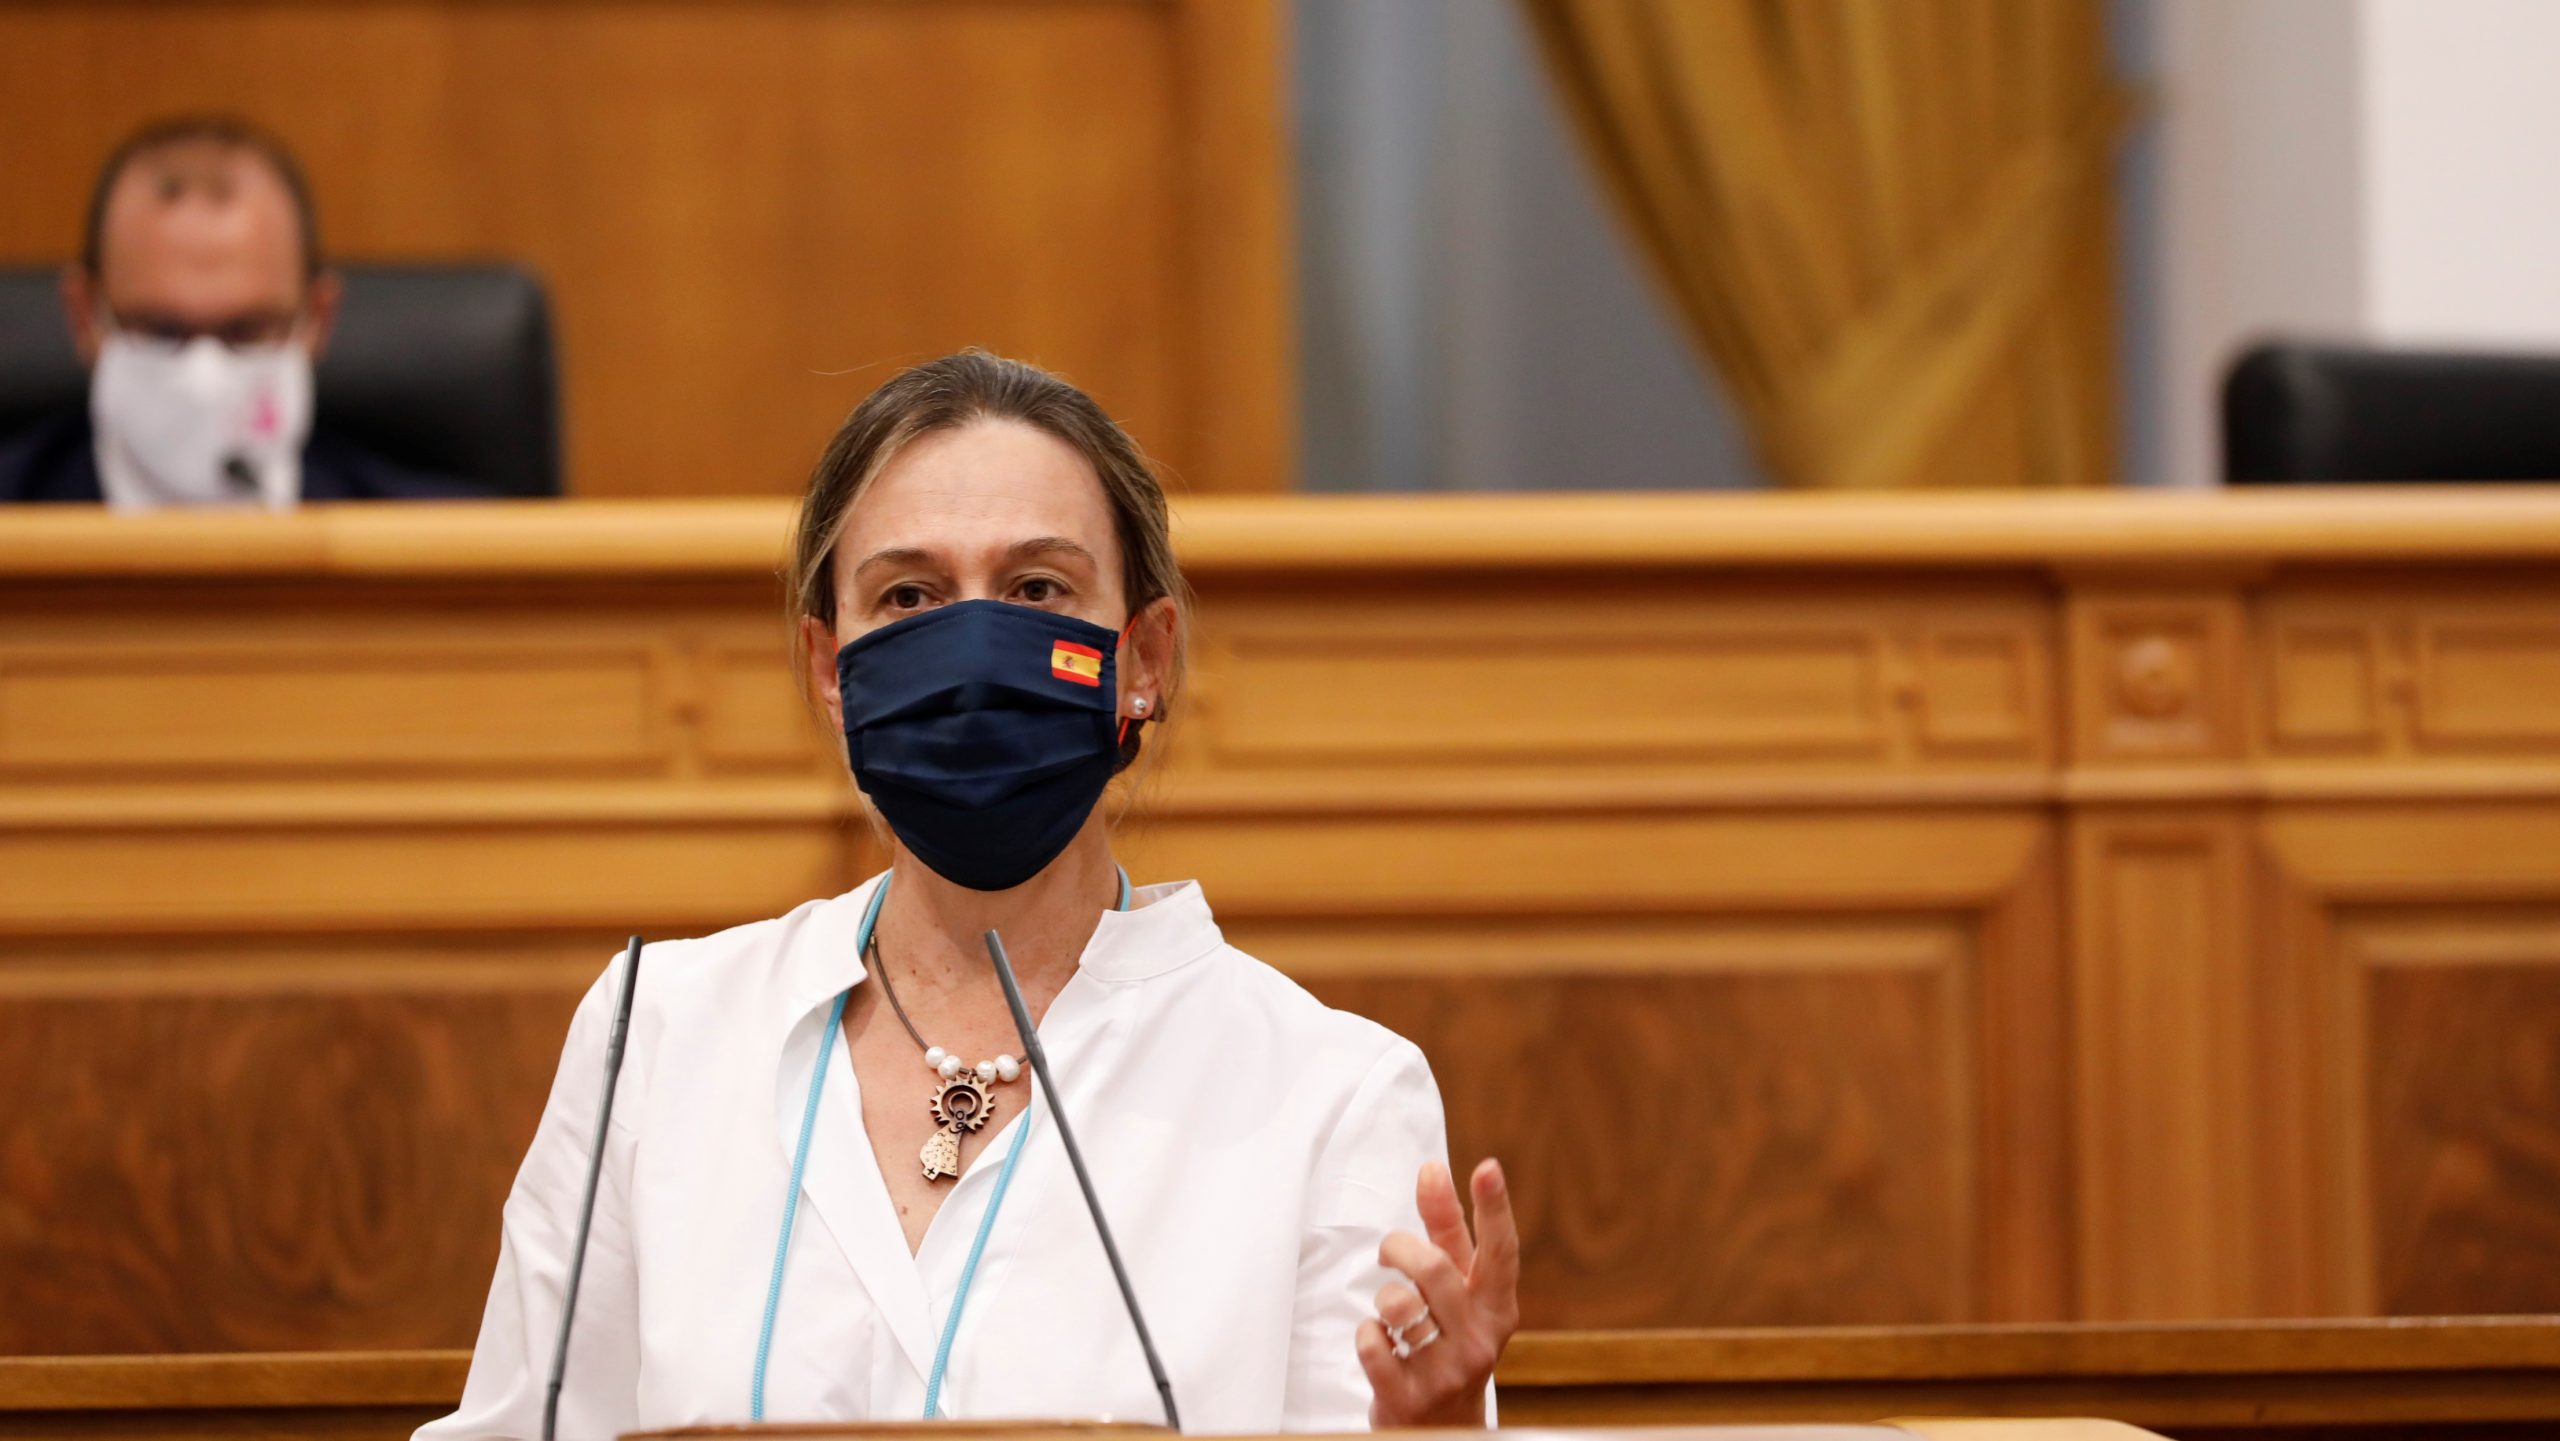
(1369, 1103)
(1324, 1036)
(1227, 992)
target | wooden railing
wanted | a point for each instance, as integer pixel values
(2361, 1380)
(2446, 1379)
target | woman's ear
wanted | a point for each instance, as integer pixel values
(818, 657)
(1146, 666)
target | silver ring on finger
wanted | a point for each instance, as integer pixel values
(1403, 1340)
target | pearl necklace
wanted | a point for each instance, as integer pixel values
(962, 1101)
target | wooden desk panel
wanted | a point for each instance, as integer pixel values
(2355, 1380)
(1918, 909)
(2472, 1378)
(329, 1396)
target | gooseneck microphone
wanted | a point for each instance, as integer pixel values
(1084, 1180)
(595, 1169)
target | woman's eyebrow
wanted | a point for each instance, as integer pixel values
(895, 555)
(1051, 545)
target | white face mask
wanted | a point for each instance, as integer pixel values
(200, 423)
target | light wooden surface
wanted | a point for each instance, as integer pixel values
(2525, 1346)
(328, 1396)
(2022, 1430)
(1930, 1430)
(233, 1382)
(2364, 1380)
(1031, 1431)
(2074, 536)
(749, 212)
(2367, 1379)
(1837, 911)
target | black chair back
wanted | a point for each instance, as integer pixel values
(441, 368)
(39, 371)
(2321, 414)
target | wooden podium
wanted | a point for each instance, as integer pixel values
(2489, 1378)
(2475, 1378)
(1937, 1430)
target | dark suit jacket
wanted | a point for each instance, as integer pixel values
(56, 460)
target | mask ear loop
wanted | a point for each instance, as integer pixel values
(1118, 646)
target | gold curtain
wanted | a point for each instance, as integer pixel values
(1888, 223)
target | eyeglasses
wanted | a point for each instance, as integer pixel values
(239, 332)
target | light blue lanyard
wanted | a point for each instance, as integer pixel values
(800, 1169)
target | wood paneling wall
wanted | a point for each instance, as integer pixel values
(749, 212)
(1934, 909)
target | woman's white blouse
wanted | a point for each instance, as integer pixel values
(1251, 1148)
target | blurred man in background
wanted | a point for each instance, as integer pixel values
(199, 303)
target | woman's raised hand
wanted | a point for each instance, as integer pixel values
(1432, 1346)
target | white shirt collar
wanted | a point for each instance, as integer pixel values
(1166, 928)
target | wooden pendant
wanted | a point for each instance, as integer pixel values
(941, 1156)
(962, 1104)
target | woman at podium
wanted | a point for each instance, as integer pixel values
(830, 1188)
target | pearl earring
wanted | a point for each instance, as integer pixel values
(1138, 706)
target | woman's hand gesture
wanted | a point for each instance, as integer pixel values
(1431, 1349)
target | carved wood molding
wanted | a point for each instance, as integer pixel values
(2156, 675)
(1669, 677)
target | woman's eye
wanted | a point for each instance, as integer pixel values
(904, 597)
(1040, 590)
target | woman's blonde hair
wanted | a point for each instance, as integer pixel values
(956, 391)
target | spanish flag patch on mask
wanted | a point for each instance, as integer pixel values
(1079, 663)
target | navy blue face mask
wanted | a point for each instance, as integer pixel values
(985, 732)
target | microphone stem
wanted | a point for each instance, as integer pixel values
(1084, 1179)
(587, 1207)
